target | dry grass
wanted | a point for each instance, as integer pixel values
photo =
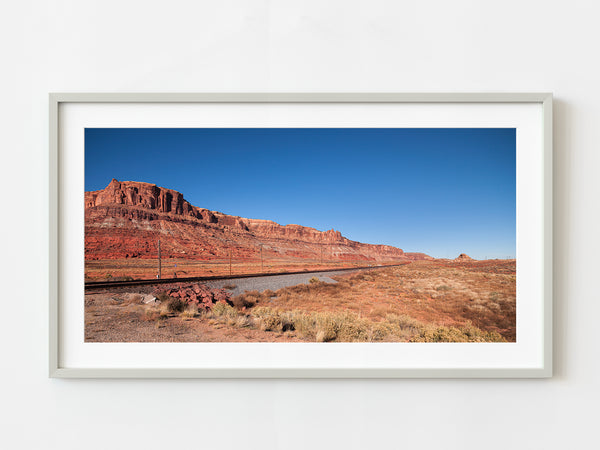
(223, 310)
(108, 322)
(349, 327)
(150, 315)
(421, 302)
(482, 294)
(153, 314)
(162, 296)
(175, 305)
(250, 299)
(246, 300)
(189, 312)
(132, 299)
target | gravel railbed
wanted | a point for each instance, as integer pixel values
(273, 282)
(258, 283)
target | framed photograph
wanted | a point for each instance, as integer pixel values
(300, 235)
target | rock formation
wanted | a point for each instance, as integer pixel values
(463, 257)
(126, 219)
(198, 295)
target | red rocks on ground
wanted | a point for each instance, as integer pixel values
(198, 295)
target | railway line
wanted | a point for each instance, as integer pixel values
(111, 284)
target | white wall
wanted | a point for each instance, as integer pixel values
(305, 45)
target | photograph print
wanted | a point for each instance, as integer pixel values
(319, 235)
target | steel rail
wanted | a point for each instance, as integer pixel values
(109, 284)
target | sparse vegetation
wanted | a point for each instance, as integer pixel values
(223, 310)
(420, 302)
(246, 300)
(481, 294)
(162, 297)
(175, 305)
(268, 319)
(150, 315)
(349, 327)
(132, 299)
(189, 313)
(468, 333)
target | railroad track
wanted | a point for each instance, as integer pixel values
(109, 284)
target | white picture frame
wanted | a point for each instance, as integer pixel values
(355, 360)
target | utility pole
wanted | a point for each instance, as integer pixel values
(321, 254)
(229, 262)
(262, 268)
(159, 261)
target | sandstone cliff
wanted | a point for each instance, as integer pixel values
(126, 219)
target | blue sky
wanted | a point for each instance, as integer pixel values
(438, 191)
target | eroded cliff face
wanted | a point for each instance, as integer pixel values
(126, 219)
(143, 195)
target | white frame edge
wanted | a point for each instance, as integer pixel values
(55, 99)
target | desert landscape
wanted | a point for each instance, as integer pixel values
(125, 222)
(159, 269)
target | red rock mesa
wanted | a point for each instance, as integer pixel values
(126, 219)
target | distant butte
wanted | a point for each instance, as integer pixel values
(126, 219)
(463, 257)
